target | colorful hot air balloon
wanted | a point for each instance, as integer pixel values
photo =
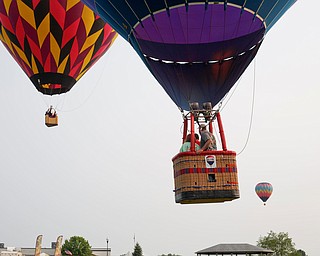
(264, 191)
(197, 50)
(54, 41)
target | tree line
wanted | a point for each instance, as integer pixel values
(280, 243)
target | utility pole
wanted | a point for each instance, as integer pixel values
(134, 240)
(107, 247)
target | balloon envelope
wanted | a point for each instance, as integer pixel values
(264, 190)
(197, 50)
(54, 41)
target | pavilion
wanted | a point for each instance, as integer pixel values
(234, 249)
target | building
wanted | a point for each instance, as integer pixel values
(234, 249)
(13, 251)
(10, 251)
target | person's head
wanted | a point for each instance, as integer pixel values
(188, 139)
(196, 135)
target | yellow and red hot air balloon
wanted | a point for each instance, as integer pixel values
(54, 41)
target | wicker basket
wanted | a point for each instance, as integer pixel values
(208, 177)
(51, 121)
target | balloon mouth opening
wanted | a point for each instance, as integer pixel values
(238, 22)
(52, 83)
(51, 86)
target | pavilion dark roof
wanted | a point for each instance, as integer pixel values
(237, 249)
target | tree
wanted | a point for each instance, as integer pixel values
(76, 246)
(301, 253)
(137, 250)
(280, 243)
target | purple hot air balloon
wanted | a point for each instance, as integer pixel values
(197, 50)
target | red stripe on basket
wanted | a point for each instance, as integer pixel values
(205, 170)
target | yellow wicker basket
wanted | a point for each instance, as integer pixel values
(51, 121)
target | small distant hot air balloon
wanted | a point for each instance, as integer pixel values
(54, 41)
(264, 191)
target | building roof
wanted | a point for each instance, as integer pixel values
(237, 249)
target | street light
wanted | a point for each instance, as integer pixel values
(107, 247)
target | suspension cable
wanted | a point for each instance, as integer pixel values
(233, 91)
(87, 98)
(252, 107)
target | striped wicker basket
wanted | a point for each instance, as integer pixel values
(208, 177)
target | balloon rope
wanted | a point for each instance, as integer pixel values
(51, 102)
(90, 94)
(64, 96)
(44, 101)
(252, 106)
(234, 89)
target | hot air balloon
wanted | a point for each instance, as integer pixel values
(196, 50)
(264, 191)
(54, 41)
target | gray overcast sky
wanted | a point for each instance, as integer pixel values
(106, 170)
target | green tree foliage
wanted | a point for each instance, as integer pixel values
(77, 246)
(280, 243)
(137, 250)
(301, 253)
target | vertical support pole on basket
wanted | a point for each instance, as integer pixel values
(210, 127)
(185, 129)
(192, 142)
(223, 139)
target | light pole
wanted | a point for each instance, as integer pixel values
(107, 247)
